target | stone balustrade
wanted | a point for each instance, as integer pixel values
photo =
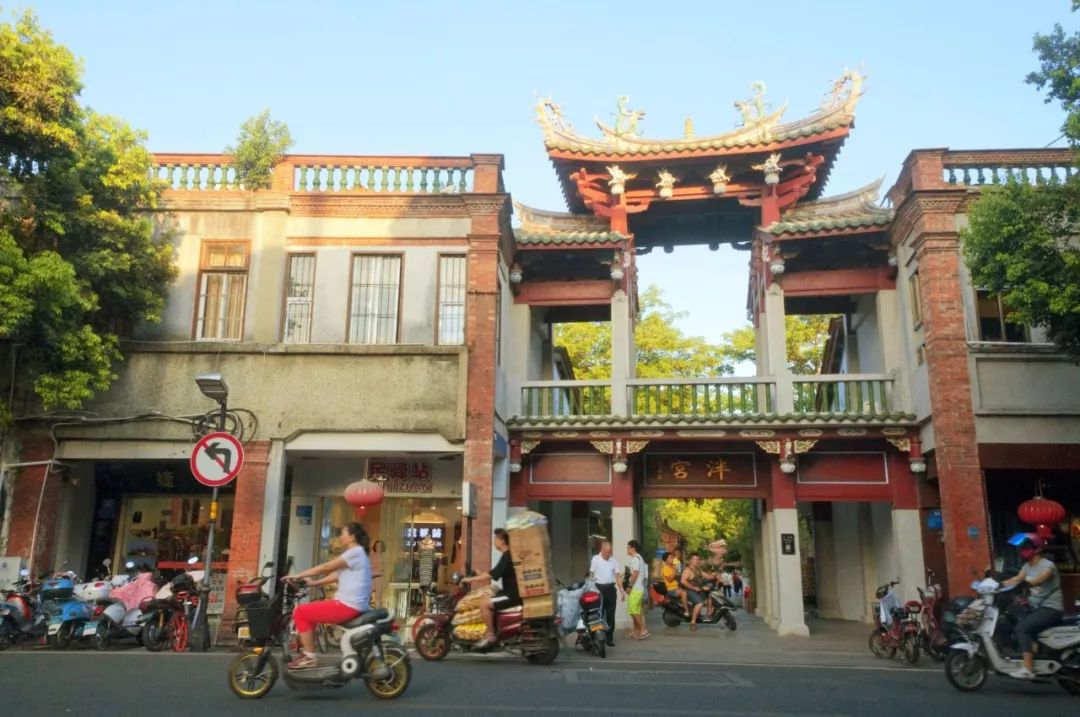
(989, 167)
(327, 174)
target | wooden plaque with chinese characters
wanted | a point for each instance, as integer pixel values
(556, 468)
(701, 470)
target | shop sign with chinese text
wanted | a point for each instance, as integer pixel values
(698, 470)
(401, 476)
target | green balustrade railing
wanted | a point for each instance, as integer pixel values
(566, 398)
(844, 395)
(726, 397)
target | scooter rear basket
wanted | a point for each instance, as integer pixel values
(261, 618)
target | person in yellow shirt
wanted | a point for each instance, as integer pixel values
(670, 573)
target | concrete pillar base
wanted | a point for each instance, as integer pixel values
(623, 530)
(798, 630)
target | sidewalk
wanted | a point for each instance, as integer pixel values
(832, 643)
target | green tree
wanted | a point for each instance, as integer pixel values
(1020, 242)
(259, 147)
(805, 337)
(701, 521)
(663, 350)
(80, 262)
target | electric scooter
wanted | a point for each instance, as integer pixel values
(369, 652)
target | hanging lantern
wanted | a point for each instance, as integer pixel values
(1042, 513)
(364, 493)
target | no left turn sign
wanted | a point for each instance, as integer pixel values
(217, 459)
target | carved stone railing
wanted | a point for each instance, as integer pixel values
(566, 398)
(702, 397)
(865, 395)
(336, 174)
(987, 167)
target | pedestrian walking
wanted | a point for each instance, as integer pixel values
(635, 604)
(737, 585)
(605, 572)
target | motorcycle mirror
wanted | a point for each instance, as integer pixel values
(193, 559)
(129, 564)
(24, 572)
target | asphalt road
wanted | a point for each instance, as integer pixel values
(138, 683)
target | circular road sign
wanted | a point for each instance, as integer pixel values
(216, 459)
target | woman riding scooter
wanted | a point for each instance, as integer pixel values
(352, 572)
(1042, 575)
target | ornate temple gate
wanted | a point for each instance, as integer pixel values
(841, 443)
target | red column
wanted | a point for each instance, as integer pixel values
(248, 506)
(34, 511)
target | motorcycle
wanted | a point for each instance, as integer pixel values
(21, 617)
(896, 626)
(717, 608)
(581, 609)
(987, 627)
(251, 593)
(68, 615)
(369, 652)
(167, 614)
(933, 638)
(535, 639)
(437, 603)
(121, 615)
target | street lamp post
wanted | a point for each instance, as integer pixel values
(213, 387)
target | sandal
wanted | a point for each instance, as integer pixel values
(647, 634)
(693, 627)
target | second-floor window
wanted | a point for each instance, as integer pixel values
(299, 298)
(451, 300)
(994, 324)
(223, 270)
(376, 297)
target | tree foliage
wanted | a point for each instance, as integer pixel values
(805, 337)
(258, 148)
(663, 350)
(1020, 242)
(79, 259)
(701, 521)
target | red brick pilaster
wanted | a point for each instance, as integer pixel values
(956, 451)
(26, 495)
(248, 506)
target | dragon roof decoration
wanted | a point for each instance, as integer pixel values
(759, 125)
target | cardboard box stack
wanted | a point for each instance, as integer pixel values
(530, 548)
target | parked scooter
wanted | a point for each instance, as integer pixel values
(369, 652)
(717, 609)
(21, 617)
(168, 620)
(581, 609)
(933, 639)
(535, 639)
(121, 615)
(971, 660)
(68, 615)
(896, 626)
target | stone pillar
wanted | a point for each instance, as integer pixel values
(866, 553)
(245, 540)
(907, 533)
(790, 617)
(774, 328)
(769, 586)
(274, 493)
(33, 505)
(761, 562)
(623, 353)
(825, 563)
(848, 551)
(623, 530)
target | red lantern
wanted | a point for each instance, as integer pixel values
(1042, 513)
(364, 492)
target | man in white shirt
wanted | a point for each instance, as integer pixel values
(605, 571)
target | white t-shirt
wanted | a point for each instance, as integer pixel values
(354, 581)
(634, 562)
(606, 572)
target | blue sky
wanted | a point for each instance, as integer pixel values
(454, 78)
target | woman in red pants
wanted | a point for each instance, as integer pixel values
(352, 572)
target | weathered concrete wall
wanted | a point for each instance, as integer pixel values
(290, 389)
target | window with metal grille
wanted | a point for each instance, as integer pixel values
(299, 298)
(376, 295)
(223, 269)
(451, 300)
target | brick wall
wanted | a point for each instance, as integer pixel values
(25, 496)
(248, 506)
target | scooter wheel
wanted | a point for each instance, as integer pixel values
(965, 672)
(599, 646)
(249, 682)
(671, 619)
(729, 621)
(393, 686)
(877, 644)
(432, 643)
(102, 640)
(548, 655)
